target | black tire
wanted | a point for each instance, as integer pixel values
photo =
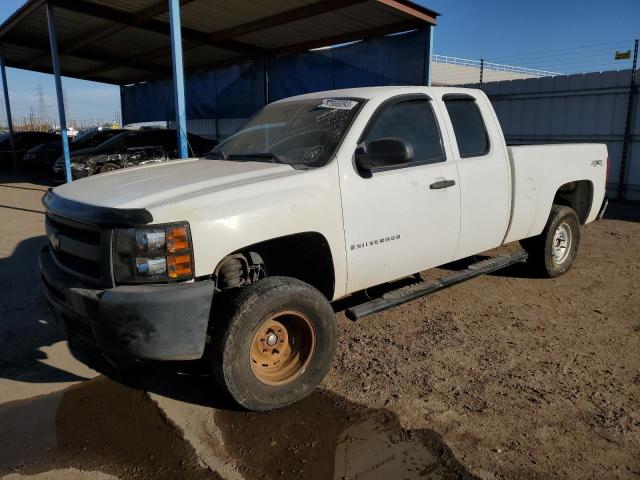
(243, 322)
(541, 248)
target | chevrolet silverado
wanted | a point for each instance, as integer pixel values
(235, 257)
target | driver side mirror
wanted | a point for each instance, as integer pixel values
(382, 154)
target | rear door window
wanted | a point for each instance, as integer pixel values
(468, 127)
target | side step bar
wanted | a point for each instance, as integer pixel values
(411, 292)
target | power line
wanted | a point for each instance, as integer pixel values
(543, 58)
(553, 50)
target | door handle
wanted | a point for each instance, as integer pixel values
(442, 184)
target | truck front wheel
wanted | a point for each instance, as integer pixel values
(553, 252)
(274, 344)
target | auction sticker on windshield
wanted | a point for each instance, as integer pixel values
(338, 103)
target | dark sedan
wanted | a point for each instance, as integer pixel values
(42, 157)
(128, 149)
(24, 141)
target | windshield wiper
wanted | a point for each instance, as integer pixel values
(263, 155)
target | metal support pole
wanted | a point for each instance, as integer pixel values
(55, 60)
(178, 77)
(628, 127)
(481, 70)
(7, 106)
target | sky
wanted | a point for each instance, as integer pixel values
(563, 36)
(87, 102)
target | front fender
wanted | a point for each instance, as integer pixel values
(227, 220)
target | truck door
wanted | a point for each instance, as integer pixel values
(483, 165)
(404, 219)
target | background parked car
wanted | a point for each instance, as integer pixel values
(24, 141)
(130, 148)
(42, 157)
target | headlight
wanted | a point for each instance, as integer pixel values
(153, 254)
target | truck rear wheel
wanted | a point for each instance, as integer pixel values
(553, 252)
(275, 343)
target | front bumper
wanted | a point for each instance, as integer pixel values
(150, 322)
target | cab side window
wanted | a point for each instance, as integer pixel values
(468, 127)
(412, 121)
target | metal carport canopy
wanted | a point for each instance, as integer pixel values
(128, 41)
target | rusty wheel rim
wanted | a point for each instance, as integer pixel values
(282, 348)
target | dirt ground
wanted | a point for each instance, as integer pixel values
(503, 377)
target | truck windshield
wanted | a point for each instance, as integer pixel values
(300, 133)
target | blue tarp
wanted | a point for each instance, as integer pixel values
(238, 91)
(232, 92)
(392, 60)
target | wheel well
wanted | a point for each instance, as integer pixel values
(305, 256)
(577, 195)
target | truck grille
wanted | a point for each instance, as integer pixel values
(81, 250)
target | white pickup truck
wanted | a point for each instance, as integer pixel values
(236, 256)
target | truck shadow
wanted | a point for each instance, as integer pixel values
(27, 326)
(102, 425)
(25, 180)
(187, 381)
(626, 211)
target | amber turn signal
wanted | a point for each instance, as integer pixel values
(179, 265)
(177, 239)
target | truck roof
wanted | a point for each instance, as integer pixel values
(372, 92)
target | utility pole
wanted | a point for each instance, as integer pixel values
(42, 106)
(626, 140)
(481, 70)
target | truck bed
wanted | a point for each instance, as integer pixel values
(539, 171)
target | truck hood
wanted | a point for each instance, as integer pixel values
(168, 182)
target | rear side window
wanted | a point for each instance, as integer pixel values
(468, 127)
(412, 121)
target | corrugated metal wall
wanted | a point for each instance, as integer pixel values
(588, 107)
